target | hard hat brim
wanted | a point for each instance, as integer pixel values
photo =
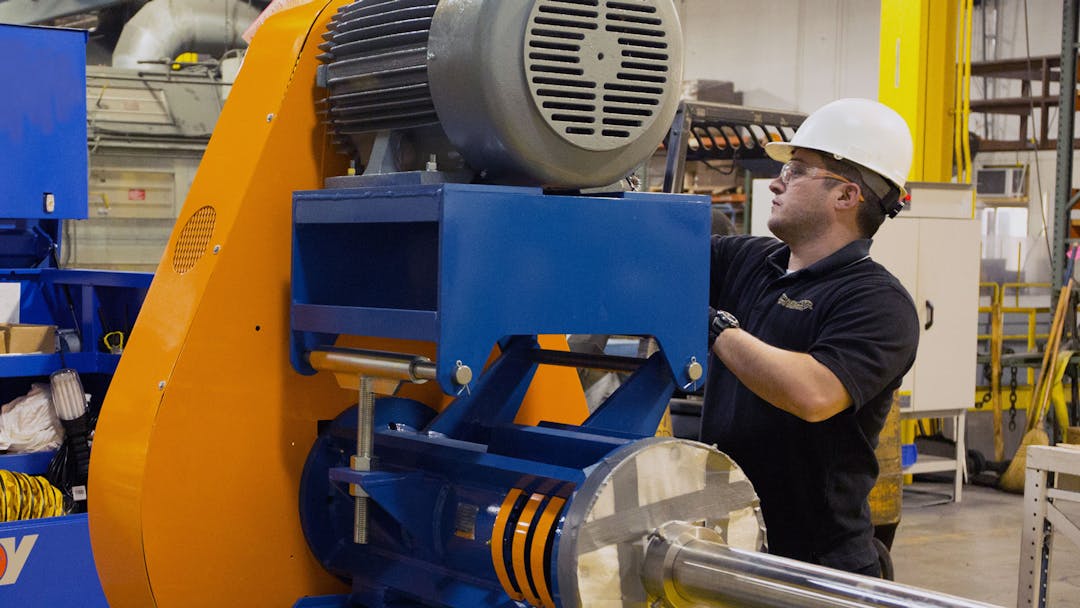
(779, 151)
(782, 151)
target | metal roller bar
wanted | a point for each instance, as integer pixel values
(686, 566)
(375, 364)
(608, 363)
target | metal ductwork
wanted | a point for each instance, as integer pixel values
(560, 93)
(162, 29)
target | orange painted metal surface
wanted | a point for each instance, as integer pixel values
(521, 536)
(555, 394)
(199, 450)
(204, 432)
(498, 533)
(541, 541)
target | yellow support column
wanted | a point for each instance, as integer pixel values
(917, 78)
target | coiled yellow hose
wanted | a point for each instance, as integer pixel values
(25, 496)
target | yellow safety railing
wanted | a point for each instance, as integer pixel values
(1031, 335)
(1001, 393)
(995, 300)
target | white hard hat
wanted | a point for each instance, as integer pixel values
(861, 131)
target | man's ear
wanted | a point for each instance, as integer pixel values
(848, 197)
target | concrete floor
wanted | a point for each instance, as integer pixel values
(972, 549)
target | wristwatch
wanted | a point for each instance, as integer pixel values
(719, 320)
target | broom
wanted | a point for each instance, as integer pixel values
(1013, 478)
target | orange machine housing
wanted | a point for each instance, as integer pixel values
(195, 473)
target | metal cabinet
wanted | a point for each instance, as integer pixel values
(934, 249)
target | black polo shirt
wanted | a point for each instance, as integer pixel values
(854, 317)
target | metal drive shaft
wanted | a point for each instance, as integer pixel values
(686, 566)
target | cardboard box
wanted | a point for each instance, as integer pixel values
(22, 338)
(715, 91)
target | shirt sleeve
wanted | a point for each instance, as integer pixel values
(729, 253)
(719, 262)
(869, 339)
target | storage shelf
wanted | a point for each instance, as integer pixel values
(41, 364)
(926, 463)
(931, 464)
(1034, 76)
(35, 463)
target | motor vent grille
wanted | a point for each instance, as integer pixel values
(598, 70)
(376, 73)
(194, 239)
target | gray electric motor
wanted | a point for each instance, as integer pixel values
(558, 93)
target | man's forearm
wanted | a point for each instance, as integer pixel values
(794, 382)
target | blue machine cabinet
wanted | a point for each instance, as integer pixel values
(43, 181)
(48, 562)
(43, 137)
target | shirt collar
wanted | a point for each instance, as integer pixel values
(853, 252)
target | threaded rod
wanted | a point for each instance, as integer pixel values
(365, 426)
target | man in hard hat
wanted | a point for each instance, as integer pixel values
(810, 337)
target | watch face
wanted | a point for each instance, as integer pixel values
(728, 318)
(722, 320)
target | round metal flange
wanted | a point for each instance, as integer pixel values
(633, 492)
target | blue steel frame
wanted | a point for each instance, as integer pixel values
(468, 267)
(416, 555)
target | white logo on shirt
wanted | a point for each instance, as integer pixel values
(787, 302)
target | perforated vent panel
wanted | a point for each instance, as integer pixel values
(598, 69)
(194, 239)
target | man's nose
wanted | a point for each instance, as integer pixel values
(776, 186)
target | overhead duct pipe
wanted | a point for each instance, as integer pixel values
(162, 29)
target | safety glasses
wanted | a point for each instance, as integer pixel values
(794, 169)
